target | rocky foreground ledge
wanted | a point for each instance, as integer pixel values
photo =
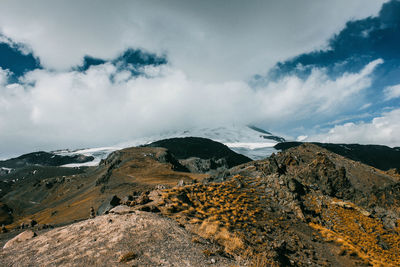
(134, 239)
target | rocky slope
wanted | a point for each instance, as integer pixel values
(305, 206)
(58, 194)
(69, 197)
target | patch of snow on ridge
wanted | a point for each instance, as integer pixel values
(251, 146)
(98, 153)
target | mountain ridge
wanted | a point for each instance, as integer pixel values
(379, 156)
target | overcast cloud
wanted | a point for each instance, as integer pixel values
(213, 49)
(208, 40)
(382, 130)
(50, 110)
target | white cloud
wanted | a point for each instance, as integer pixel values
(4, 75)
(365, 106)
(383, 130)
(392, 92)
(213, 41)
(316, 98)
(53, 110)
(301, 138)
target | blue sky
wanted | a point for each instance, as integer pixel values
(350, 50)
(15, 59)
(327, 72)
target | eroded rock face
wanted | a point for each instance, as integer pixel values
(140, 239)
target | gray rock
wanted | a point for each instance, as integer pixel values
(126, 199)
(108, 204)
(122, 209)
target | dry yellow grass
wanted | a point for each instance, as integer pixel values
(218, 211)
(361, 234)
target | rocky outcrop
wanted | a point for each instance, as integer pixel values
(198, 165)
(295, 209)
(137, 239)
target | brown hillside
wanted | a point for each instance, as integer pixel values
(125, 172)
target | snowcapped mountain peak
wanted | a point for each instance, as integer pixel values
(250, 141)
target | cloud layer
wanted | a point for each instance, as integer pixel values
(382, 130)
(106, 105)
(222, 41)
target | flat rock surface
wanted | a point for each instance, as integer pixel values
(137, 239)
